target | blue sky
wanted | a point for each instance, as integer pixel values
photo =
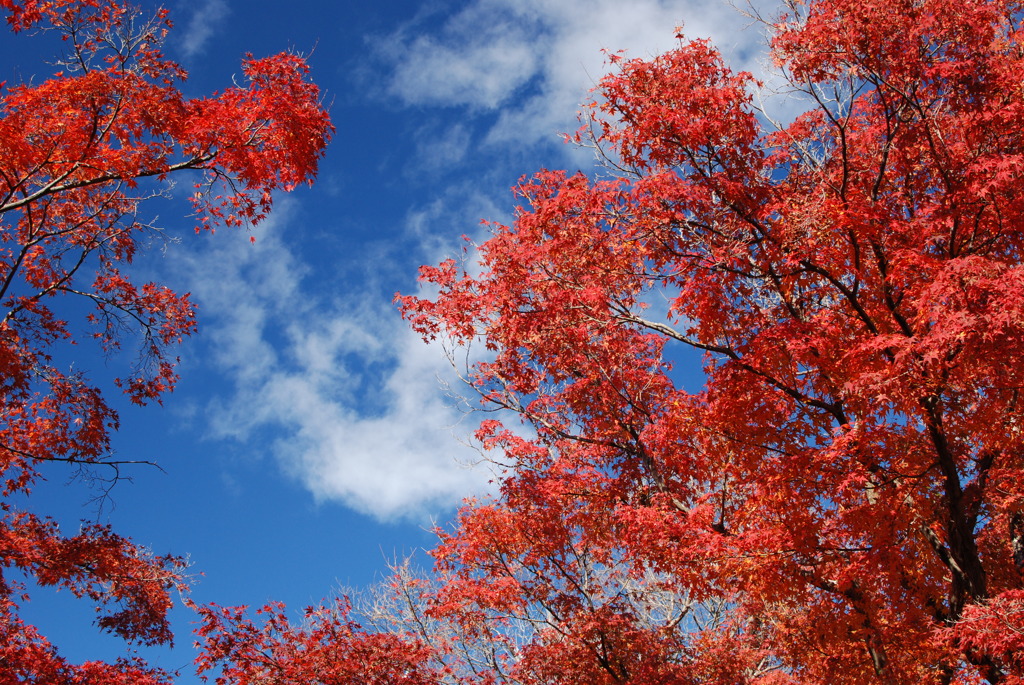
(311, 437)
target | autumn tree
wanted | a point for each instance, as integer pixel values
(843, 499)
(80, 154)
(850, 479)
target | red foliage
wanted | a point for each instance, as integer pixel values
(79, 154)
(329, 648)
(842, 501)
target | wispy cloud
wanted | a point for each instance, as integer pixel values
(204, 22)
(350, 395)
(480, 56)
(439, 146)
(532, 61)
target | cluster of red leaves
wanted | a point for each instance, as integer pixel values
(80, 153)
(328, 648)
(129, 587)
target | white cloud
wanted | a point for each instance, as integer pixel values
(480, 57)
(533, 61)
(351, 392)
(399, 462)
(207, 16)
(438, 147)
